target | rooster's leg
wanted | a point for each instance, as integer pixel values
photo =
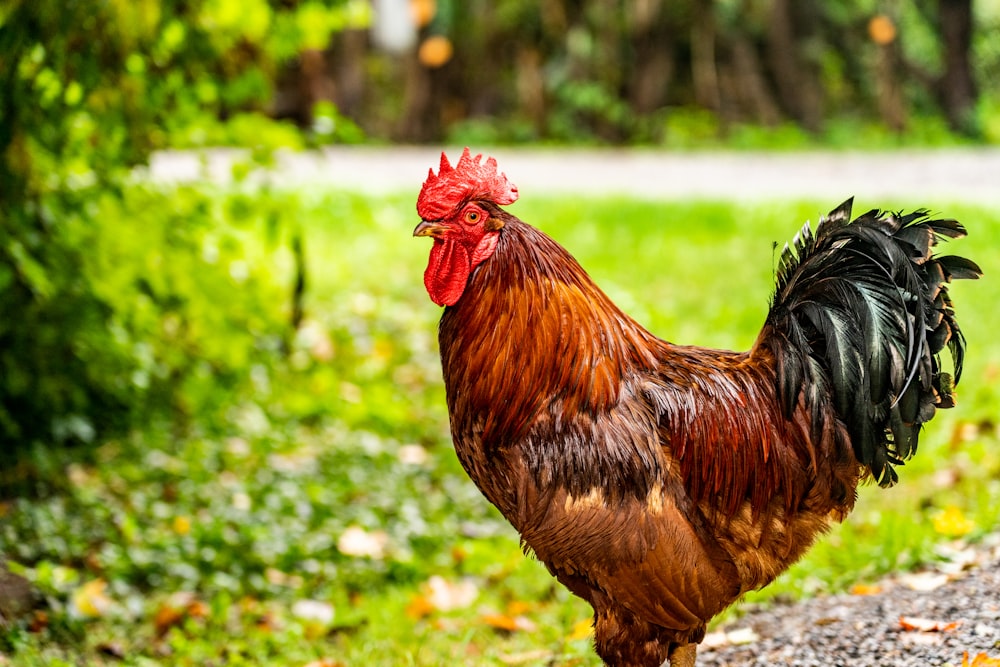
(683, 656)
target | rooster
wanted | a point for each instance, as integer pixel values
(661, 482)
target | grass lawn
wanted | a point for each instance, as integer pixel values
(324, 519)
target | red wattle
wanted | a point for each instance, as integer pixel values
(447, 272)
(450, 265)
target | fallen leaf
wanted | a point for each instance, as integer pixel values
(279, 578)
(269, 622)
(182, 525)
(356, 541)
(459, 554)
(113, 649)
(737, 637)
(916, 624)
(582, 629)
(413, 455)
(444, 595)
(447, 624)
(198, 609)
(324, 662)
(866, 589)
(964, 431)
(508, 623)
(39, 621)
(518, 607)
(742, 636)
(527, 656)
(500, 622)
(950, 522)
(91, 600)
(419, 607)
(242, 501)
(313, 610)
(924, 581)
(176, 610)
(921, 639)
(316, 615)
(981, 660)
(826, 620)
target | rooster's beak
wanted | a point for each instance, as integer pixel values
(426, 228)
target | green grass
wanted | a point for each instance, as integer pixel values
(206, 540)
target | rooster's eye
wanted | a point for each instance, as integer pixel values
(472, 217)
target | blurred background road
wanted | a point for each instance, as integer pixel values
(970, 175)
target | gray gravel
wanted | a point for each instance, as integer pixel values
(918, 177)
(862, 630)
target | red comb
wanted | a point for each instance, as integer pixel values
(444, 192)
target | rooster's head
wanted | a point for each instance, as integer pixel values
(456, 207)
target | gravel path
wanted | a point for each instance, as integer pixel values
(971, 175)
(960, 605)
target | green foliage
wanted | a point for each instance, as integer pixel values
(688, 74)
(104, 291)
(153, 306)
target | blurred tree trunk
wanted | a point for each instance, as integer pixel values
(796, 76)
(889, 87)
(347, 60)
(704, 71)
(957, 86)
(653, 56)
(888, 72)
(420, 120)
(531, 87)
(749, 86)
(302, 84)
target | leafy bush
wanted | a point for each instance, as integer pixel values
(109, 294)
(150, 303)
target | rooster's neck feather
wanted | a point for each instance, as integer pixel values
(532, 328)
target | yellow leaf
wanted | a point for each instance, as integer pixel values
(509, 623)
(981, 660)
(182, 525)
(90, 600)
(866, 589)
(952, 523)
(419, 607)
(518, 607)
(500, 622)
(582, 629)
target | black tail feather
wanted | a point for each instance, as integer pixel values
(860, 316)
